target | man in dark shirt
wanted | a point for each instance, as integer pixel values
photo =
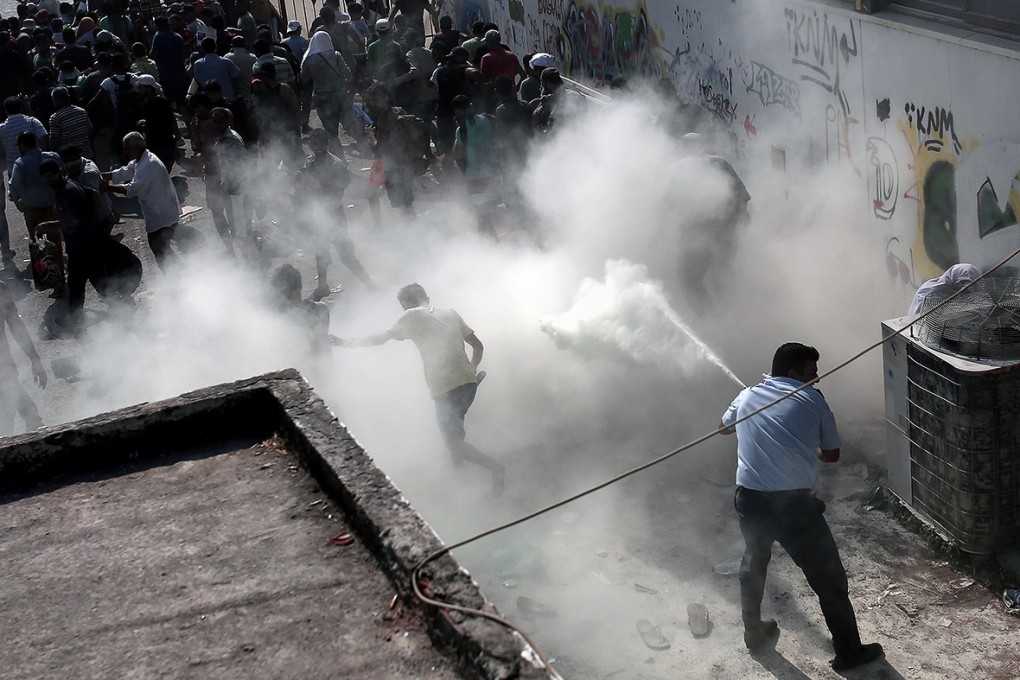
(78, 223)
(168, 53)
(160, 124)
(79, 55)
(414, 11)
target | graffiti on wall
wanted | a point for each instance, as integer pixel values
(967, 193)
(883, 178)
(774, 89)
(599, 46)
(821, 48)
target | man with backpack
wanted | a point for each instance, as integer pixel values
(118, 97)
(401, 143)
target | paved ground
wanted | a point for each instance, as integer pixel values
(216, 566)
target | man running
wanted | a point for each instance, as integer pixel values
(440, 335)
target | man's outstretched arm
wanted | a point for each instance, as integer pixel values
(366, 341)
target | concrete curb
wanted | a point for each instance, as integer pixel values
(284, 403)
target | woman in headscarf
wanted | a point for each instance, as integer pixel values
(331, 80)
(958, 274)
(85, 33)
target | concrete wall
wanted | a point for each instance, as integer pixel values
(923, 117)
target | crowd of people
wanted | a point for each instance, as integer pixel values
(122, 87)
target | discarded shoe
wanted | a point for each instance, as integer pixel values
(651, 635)
(697, 619)
(866, 654)
(758, 637)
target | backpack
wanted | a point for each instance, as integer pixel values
(128, 109)
(411, 136)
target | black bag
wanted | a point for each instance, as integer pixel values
(117, 272)
(45, 270)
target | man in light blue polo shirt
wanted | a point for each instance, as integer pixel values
(777, 454)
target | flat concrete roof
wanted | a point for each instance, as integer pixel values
(237, 531)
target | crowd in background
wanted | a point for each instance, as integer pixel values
(120, 98)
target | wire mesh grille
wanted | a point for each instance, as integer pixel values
(982, 323)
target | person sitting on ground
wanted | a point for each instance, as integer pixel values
(146, 178)
(323, 178)
(440, 335)
(958, 274)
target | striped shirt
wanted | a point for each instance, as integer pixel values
(70, 125)
(10, 129)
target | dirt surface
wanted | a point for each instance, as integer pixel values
(210, 567)
(934, 621)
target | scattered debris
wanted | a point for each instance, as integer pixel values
(892, 590)
(645, 589)
(876, 500)
(342, 539)
(945, 623)
(602, 553)
(697, 619)
(911, 612)
(509, 583)
(651, 635)
(1011, 598)
(314, 503)
(961, 583)
(727, 568)
(529, 607)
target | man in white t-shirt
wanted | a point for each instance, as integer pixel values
(452, 378)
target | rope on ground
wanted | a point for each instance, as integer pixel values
(644, 466)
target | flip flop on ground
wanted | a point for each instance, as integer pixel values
(652, 635)
(697, 619)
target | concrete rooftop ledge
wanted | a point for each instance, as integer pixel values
(284, 404)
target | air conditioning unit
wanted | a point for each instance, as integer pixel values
(952, 398)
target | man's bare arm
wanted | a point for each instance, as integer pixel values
(366, 341)
(476, 349)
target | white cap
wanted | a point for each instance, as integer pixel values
(382, 26)
(293, 26)
(542, 60)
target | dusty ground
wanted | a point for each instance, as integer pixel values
(215, 566)
(932, 619)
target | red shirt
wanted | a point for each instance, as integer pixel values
(500, 62)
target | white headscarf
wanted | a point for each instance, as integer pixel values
(958, 273)
(320, 43)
